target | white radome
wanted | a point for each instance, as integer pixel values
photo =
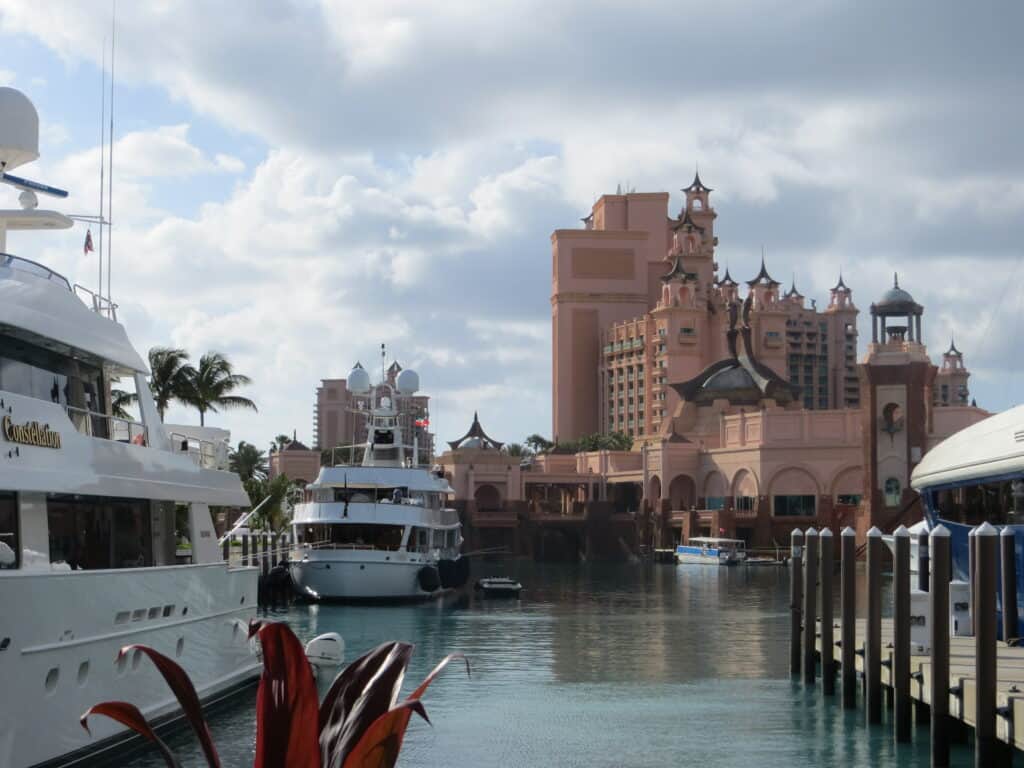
(19, 130)
(359, 381)
(408, 382)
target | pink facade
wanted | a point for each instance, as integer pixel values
(748, 408)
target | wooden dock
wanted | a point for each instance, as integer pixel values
(1009, 688)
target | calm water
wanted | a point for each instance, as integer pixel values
(633, 665)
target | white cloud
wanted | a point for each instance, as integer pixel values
(6, 77)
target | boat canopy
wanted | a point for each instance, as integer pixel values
(412, 478)
(715, 540)
(39, 304)
(992, 448)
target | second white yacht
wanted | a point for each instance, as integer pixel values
(379, 530)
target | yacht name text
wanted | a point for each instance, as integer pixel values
(32, 433)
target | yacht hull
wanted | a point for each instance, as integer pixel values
(361, 576)
(65, 631)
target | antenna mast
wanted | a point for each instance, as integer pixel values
(103, 158)
(110, 155)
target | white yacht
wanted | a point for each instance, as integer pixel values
(379, 530)
(87, 513)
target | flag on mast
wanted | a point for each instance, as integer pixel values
(87, 247)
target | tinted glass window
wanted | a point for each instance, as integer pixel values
(10, 553)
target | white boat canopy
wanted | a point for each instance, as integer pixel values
(993, 447)
(43, 304)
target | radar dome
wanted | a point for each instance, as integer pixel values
(19, 129)
(359, 381)
(408, 381)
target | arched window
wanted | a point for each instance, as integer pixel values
(697, 203)
(892, 492)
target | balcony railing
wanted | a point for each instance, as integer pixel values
(104, 427)
(202, 452)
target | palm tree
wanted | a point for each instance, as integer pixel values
(538, 443)
(516, 449)
(248, 462)
(170, 377)
(212, 383)
(280, 442)
(119, 402)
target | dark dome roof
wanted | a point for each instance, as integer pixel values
(896, 297)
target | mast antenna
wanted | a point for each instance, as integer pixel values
(103, 158)
(110, 154)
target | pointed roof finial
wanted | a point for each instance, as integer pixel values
(697, 185)
(895, 280)
(727, 278)
(952, 348)
(763, 278)
(840, 286)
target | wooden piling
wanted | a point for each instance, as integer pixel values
(810, 603)
(1008, 545)
(795, 598)
(265, 561)
(873, 638)
(938, 605)
(848, 607)
(828, 671)
(986, 751)
(971, 570)
(923, 560)
(901, 636)
(226, 547)
(245, 549)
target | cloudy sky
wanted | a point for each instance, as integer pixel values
(297, 182)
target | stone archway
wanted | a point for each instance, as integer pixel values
(716, 490)
(487, 498)
(654, 491)
(744, 491)
(682, 492)
(794, 493)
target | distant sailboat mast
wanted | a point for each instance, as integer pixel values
(110, 154)
(103, 161)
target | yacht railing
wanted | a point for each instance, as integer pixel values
(34, 268)
(101, 305)
(202, 452)
(104, 427)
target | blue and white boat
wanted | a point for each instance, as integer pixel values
(974, 476)
(712, 550)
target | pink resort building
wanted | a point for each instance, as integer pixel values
(748, 409)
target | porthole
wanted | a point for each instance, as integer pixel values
(168, 610)
(51, 679)
(121, 663)
(180, 647)
(122, 617)
(136, 659)
(5, 644)
(154, 612)
(242, 601)
(184, 611)
(83, 672)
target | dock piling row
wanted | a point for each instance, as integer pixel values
(920, 661)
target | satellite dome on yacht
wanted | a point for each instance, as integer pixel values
(359, 380)
(19, 129)
(408, 382)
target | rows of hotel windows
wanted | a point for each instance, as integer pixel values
(85, 532)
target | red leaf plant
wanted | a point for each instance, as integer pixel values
(359, 724)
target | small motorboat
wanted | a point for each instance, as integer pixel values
(499, 586)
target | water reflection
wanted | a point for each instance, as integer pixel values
(603, 666)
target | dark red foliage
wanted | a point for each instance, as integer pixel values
(358, 725)
(130, 716)
(286, 705)
(181, 686)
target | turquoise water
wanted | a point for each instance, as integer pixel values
(632, 665)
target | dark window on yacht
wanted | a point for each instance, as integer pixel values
(34, 372)
(354, 536)
(383, 437)
(998, 503)
(9, 531)
(419, 541)
(793, 506)
(90, 533)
